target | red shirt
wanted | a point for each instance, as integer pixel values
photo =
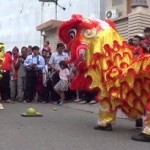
(137, 51)
(146, 42)
(47, 48)
(14, 66)
(7, 62)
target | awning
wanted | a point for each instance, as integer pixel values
(51, 24)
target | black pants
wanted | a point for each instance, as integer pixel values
(47, 90)
(31, 85)
(55, 79)
(88, 95)
(5, 86)
(70, 94)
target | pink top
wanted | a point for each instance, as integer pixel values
(64, 73)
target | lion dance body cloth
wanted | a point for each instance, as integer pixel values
(105, 62)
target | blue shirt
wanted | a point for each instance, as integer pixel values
(32, 59)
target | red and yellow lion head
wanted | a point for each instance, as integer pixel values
(78, 33)
(2, 49)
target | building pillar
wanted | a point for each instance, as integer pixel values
(137, 3)
(139, 18)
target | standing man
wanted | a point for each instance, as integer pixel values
(55, 59)
(137, 51)
(146, 43)
(34, 64)
(44, 53)
(29, 50)
(21, 84)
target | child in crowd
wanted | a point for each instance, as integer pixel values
(63, 83)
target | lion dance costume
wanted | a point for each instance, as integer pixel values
(2, 48)
(104, 62)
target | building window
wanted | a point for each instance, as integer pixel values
(117, 2)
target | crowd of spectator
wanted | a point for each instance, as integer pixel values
(34, 75)
(141, 43)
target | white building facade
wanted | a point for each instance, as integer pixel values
(19, 18)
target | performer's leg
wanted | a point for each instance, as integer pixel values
(106, 118)
(139, 123)
(5, 86)
(144, 136)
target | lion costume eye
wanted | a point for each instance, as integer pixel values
(89, 33)
(72, 33)
(2, 49)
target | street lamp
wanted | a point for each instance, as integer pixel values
(56, 4)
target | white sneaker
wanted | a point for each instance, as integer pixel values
(77, 100)
(93, 102)
(83, 102)
(60, 102)
(1, 107)
(9, 101)
(24, 101)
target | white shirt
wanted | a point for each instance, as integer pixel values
(46, 75)
(31, 59)
(45, 70)
(56, 58)
(64, 73)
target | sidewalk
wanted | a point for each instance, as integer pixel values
(89, 108)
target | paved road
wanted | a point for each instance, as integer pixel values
(65, 129)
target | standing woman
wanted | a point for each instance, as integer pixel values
(21, 84)
(63, 83)
(14, 74)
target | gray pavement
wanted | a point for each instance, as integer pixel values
(90, 108)
(68, 128)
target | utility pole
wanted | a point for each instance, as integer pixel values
(56, 4)
(56, 9)
(42, 9)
